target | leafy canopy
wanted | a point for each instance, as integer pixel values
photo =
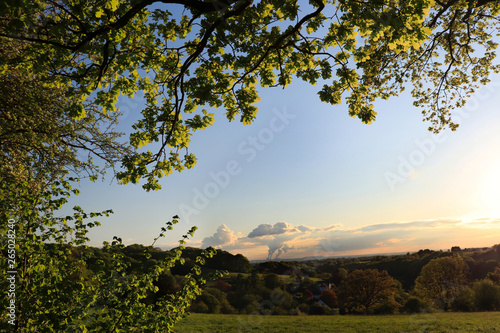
(441, 280)
(364, 291)
(45, 133)
(189, 54)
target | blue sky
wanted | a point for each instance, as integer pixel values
(306, 179)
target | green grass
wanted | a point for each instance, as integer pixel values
(431, 322)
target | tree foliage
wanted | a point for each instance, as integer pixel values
(487, 295)
(217, 54)
(363, 291)
(56, 291)
(329, 297)
(441, 280)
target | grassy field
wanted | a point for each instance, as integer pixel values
(432, 322)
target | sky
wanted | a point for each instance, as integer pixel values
(305, 179)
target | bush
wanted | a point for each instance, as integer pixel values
(487, 295)
(415, 305)
(304, 308)
(318, 309)
(464, 301)
(272, 281)
(280, 311)
(387, 308)
(199, 307)
(211, 301)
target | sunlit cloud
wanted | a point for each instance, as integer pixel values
(482, 223)
(269, 230)
(223, 236)
(284, 240)
(305, 228)
(410, 225)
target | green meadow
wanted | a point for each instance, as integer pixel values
(429, 322)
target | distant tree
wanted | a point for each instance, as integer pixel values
(441, 280)
(241, 264)
(364, 290)
(206, 303)
(182, 268)
(487, 295)
(272, 281)
(307, 295)
(329, 297)
(495, 275)
(222, 286)
(480, 268)
(224, 260)
(343, 274)
(167, 284)
(464, 301)
(224, 306)
(307, 283)
(324, 276)
(283, 299)
(254, 279)
(318, 309)
(415, 305)
(336, 279)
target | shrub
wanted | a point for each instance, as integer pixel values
(415, 304)
(464, 301)
(487, 295)
(318, 309)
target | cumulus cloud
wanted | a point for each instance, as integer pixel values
(266, 229)
(223, 236)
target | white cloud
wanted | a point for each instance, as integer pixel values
(266, 229)
(223, 236)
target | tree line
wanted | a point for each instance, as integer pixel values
(441, 280)
(445, 281)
